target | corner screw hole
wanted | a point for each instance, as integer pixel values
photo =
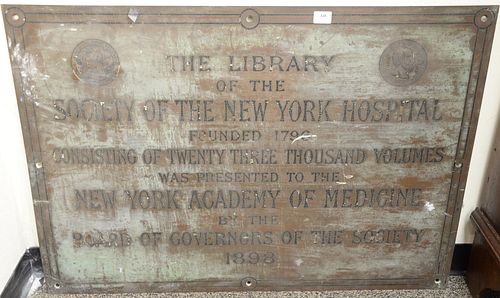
(484, 18)
(249, 19)
(57, 286)
(15, 17)
(437, 281)
(248, 283)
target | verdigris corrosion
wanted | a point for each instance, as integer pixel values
(234, 148)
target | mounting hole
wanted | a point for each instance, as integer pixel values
(249, 18)
(437, 281)
(484, 18)
(249, 282)
(15, 17)
(57, 285)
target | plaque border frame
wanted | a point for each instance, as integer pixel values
(266, 15)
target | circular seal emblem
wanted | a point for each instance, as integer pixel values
(95, 62)
(403, 62)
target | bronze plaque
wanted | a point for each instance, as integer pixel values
(230, 148)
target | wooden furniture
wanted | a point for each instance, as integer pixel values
(483, 275)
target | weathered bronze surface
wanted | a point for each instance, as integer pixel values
(231, 148)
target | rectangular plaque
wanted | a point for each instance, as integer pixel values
(230, 148)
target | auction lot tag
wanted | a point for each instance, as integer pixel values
(322, 17)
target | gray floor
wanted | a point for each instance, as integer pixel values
(456, 289)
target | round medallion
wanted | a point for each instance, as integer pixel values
(403, 62)
(95, 62)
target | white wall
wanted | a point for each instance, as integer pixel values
(17, 225)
